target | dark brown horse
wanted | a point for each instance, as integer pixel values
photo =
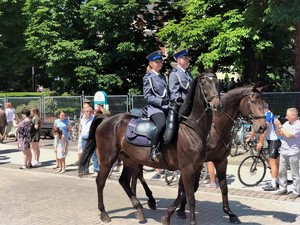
(186, 153)
(246, 102)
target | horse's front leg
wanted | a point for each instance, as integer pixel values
(188, 178)
(124, 180)
(221, 169)
(165, 220)
(148, 192)
(181, 211)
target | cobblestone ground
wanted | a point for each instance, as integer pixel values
(39, 196)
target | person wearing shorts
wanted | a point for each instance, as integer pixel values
(273, 148)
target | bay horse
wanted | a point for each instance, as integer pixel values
(246, 102)
(186, 153)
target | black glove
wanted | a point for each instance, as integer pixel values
(165, 102)
(179, 100)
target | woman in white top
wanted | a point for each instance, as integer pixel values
(10, 115)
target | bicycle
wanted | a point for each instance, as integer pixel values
(171, 176)
(240, 131)
(74, 129)
(252, 169)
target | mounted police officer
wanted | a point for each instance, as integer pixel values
(155, 90)
(180, 78)
(179, 84)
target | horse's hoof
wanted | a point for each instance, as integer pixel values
(105, 218)
(140, 216)
(165, 221)
(181, 214)
(234, 219)
(152, 205)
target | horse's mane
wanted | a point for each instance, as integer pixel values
(187, 106)
(228, 99)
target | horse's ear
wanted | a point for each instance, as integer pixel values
(260, 88)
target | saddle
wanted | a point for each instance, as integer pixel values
(140, 128)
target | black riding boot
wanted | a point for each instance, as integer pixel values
(171, 123)
(155, 154)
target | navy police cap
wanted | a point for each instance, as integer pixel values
(157, 55)
(183, 52)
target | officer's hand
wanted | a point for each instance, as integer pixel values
(165, 102)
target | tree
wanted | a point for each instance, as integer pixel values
(15, 69)
(232, 36)
(55, 37)
(116, 31)
(286, 14)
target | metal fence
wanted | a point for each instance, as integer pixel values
(49, 106)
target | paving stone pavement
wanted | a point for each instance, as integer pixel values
(39, 196)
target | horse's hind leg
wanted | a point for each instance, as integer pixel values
(124, 181)
(148, 192)
(221, 169)
(100, 181)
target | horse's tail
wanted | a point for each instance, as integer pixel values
(89, 147)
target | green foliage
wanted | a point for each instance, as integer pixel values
(109, 80)
(232, 36)
(78, 46)
(134, 91)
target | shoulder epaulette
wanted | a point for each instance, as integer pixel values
(174, 70)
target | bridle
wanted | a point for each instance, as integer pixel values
(206, 100)
(249, 119)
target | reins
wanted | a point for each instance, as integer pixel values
(250, 116)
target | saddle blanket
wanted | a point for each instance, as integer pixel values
(133, 138)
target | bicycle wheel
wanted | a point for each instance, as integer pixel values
(203, 174)
(170, 176)
(252, 171)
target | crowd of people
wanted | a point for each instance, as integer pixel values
(28, 134)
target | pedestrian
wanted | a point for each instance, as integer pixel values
(212, 176)
(99, 114)
(101, 110)
(232, 83)
(86, 104)
(85, 124)
(35, 139)
(23, 133)
(9, 111)
(289, 152)
(61, 149)
(273, 147)
(65, 125)
(155, 89)
(3, 124)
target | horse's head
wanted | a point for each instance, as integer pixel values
(251, 107)
(209, 86)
